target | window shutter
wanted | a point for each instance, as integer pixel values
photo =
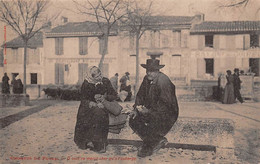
(80, 46)
(56, 73)
(61, 73)
(105, 69)
(216, 41)
(82, 72)
(85, 46)
(246, 41)
(57, 46)
(61, 46)
(100, 45)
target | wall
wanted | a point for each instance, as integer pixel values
(71, 57)
(16, 65)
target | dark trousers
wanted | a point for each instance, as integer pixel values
(154, 127)
(238, 95)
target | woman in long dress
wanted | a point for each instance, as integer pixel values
(92, 119)
(229, 96)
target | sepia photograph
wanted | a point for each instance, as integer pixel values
(130, 81)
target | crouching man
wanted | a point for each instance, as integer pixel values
(155, 109)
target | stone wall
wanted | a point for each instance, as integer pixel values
(8, 100)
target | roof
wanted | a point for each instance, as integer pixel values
(34, 42)
(170, 19)
(234, 26)
(78, 29)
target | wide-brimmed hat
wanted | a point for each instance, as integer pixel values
(236, 70)
(152, 64)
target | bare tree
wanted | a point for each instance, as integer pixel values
(25, 18)
(137, 22)
(235, 3)
(106, 13)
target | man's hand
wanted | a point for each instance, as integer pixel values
(132, 114)
(92, 104)
(142, 109)
(99, 98)
(100, 105)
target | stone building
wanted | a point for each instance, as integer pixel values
(71, 48)
(192, 49)
(15, 56)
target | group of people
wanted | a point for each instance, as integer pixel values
(151, 118)
(16, 84)
(231, 92)
(125, 92)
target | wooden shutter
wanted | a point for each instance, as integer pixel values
(56, 73)
(80, 73)
(57, 46)
(61, 73)
(216, 41)
(105, 69)
(85, 46)
(81, 45)
(83, 67)
(61, 46)
(246, 42)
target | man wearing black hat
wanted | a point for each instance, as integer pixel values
(155, 109)
(237, 85)
(125, 87)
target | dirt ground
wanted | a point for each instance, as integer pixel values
(46, 136)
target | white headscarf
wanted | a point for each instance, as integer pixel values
(93, 71)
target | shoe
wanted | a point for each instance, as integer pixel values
(162, 143)
(99, 147)
(145, 150)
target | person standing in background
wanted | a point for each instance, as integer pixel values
(237, 85)
(229, 96)
(114, 82)
(5, 84)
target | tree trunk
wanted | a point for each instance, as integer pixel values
(137, 64)
(24, 66)
(104, 51)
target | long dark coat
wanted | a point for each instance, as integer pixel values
(92, 123)
(158, 96)
(5, 84)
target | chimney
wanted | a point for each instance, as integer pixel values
(64, 20)
(47, 27)
(199, 17)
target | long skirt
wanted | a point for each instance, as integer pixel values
(92, 126)
(229, 96)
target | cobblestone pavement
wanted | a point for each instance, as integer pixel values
(47, 137)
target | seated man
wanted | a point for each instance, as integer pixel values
(155, 109)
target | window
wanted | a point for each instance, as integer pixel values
(254, 65)
(83, 45)
(33, 78)
(254, 40)
(209, 66)
(59, 46)
(102, 45)
(209, 41)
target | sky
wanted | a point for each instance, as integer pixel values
(210, 8)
